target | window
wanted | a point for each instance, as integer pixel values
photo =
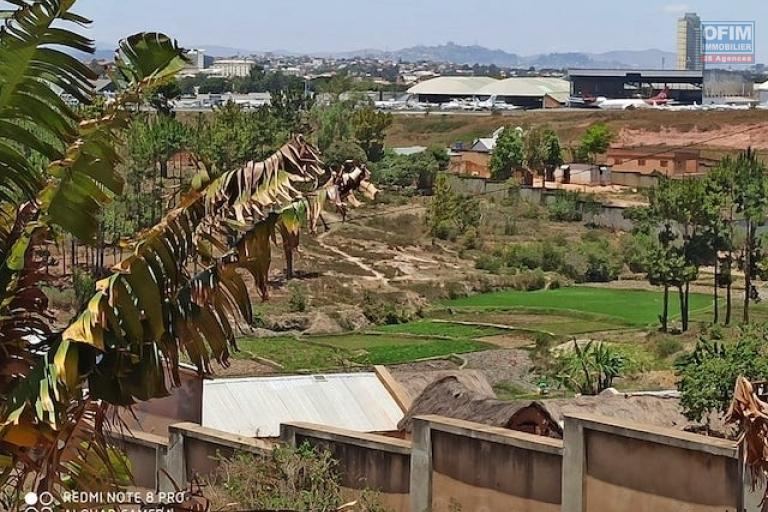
(665, 163)
(641, 162)
(619, 161)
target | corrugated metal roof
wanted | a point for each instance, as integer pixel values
(644, 73)
(255, 407)
(528, 86)
(452, 85)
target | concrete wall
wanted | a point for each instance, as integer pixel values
(478, 468)
(613, 465)
(196, 451)
(634, 179)
(146, 455)
(366, 461)
(185, 404)
(602, 465)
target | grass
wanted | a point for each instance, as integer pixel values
(633, 307)
(319, 353)
(292, 354)
(428, 328)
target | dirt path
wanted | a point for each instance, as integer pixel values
(375, 274)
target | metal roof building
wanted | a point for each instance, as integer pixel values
(684, 86)
(255, 407)
(528, 91)
(445, 88)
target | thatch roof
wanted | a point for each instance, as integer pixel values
(449, 397)
(416, 382)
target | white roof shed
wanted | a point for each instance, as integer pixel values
(255, 407)
(529, 87)
(452, 86)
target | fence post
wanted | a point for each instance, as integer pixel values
(175, 463)
(573, 466)
(421, 466)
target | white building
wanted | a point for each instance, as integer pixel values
(234, 67)
(762, 91)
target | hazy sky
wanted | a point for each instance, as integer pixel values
(523, 27)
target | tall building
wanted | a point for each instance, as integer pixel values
(689, 43)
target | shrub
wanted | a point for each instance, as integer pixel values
(667, 346)
(708, 374)
(589, 369)
(531, 281)
(287, 478)
(84, 286)
(384, 310)
(488, 262)
(471, 240)
(446, 230)
(565, 208)
(61, 299)
(298, 302)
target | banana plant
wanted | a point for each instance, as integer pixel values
(183, 288)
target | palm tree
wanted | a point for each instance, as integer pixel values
(182, 289)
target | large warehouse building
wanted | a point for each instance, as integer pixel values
(527, 92)
(686, 87)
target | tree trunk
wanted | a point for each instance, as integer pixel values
(684, 311)
(715, 297)
(665, 309)
(681, 297)
(748, 249)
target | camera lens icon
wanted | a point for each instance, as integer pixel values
(38, 502)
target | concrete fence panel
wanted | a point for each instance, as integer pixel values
(195, 451)
(619, 466)
(474, 468)
(365, 461)
(146, 455)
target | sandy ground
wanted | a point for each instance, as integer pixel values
(736, 136)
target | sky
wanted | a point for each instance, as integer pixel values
(517, 26)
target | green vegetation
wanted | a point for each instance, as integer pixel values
(635, 307)
(287, 478)
(451, 214)
(595, 141)
(590, 368)
(318, 353)
(708, 374)
(429, 328)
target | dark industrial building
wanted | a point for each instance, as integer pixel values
(685, 87)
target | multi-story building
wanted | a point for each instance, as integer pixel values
(234, 67)
(689, 42)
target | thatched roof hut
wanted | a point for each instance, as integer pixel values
(416, 382)
(452, 398)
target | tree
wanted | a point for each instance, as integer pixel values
(442, 207)
(508, 155)
(552, 150)
(332, 123)
(233, 136)
(369, 127)
(708, 374)
(595, 141)
(751, 199)
(343, 151)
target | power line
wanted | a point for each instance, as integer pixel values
(507, 189)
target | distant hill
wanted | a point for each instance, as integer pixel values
(470, 55)
(460, 54)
